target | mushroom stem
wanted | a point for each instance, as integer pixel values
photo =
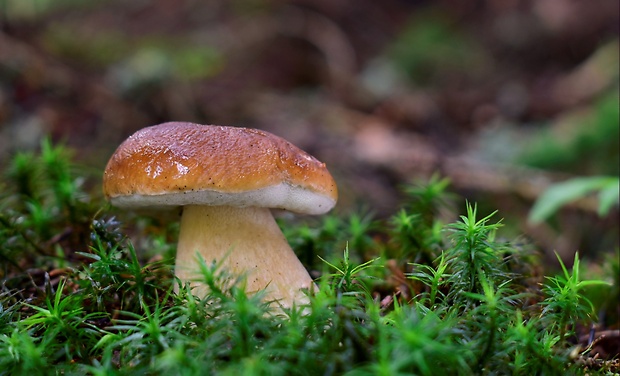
(248, 242)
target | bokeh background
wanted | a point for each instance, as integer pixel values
(503, 97)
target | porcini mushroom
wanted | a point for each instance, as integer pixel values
(226, 179)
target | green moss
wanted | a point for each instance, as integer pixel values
(91, 304)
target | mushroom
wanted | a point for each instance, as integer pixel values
(226, 179)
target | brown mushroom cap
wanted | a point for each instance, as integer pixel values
(178, 164)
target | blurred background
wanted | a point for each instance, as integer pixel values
(503, 97)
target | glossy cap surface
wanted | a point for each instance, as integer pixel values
(177, 164)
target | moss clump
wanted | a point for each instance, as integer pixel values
(412, 294)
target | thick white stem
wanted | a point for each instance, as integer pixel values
(249, 242)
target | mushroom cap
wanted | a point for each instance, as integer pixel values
(178, 164)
